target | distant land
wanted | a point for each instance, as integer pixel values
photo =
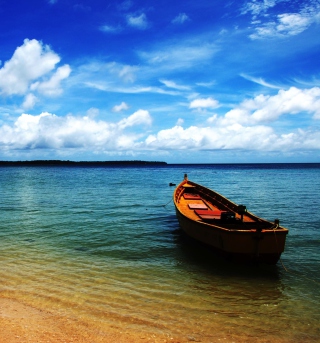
(53, 163)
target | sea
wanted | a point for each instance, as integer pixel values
(103, 244)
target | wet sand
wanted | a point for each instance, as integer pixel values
(21, 323)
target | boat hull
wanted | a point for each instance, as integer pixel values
(236, 243)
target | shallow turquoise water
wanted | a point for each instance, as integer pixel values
(99, 244)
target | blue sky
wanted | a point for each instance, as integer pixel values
(183, 82)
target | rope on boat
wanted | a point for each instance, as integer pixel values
(275, 236)
(288, 271)
(168, 202)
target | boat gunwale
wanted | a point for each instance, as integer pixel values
(209, 192)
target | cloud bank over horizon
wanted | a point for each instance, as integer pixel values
(247, 126)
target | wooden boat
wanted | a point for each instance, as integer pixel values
(226, 227)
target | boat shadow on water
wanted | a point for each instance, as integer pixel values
(196, 255)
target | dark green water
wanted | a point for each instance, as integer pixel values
(99, 244)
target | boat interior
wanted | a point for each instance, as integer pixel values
(201, 204)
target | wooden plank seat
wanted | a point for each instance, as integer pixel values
(198, 206)
(209, 214)
(191, 196)
(187, 186)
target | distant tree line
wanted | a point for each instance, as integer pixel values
(48, 163)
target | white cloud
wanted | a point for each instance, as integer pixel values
(180, 19)
(124, 73)
(118, 78)
(127, 73)
(211, 138)
(48, 131)
(204, 103)
(29, 101)
(32, 69)
(125, 5)
(109, 87)
(281, 24)
(257, 7)
(293, 24)
(182, 55)
(122, 107)
(234, 137)
(122, 78)
(108, 77)
(243, 128)
(141, 117)
(269, 108)
(180, 122)
(206, 84)
(93, 112)
(285, 25)
(138, 21)
(29, 62)
(172, 84)
(259, 81)
(110, 29)
(52, 86)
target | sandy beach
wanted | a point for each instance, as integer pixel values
(21, 323)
